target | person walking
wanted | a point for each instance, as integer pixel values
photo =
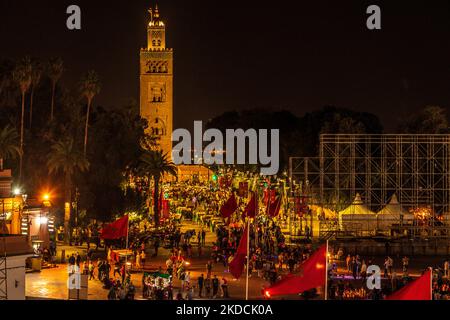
(348, 261)
(85, 268)
(187, 279)
(107, 270)
(208, 287)
(77, 259)
(363, 273)
(116, 269)
(208, 269)
(91, 271)
(390, 265)
(200, 282)
(215, 286)
(203, 232)
(446, 266)
(405, 263)
(123, 272)
(138, 261)
(143, 256)
(386, 267)
(224, 286)
(156, 246)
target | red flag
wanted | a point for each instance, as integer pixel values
(274, 207)
(269, 196)
(301, 207)
(236, 265)
(419, 289)
(314, 275)
(115, 230)
(165, 209)
(229, 207)
(250, 209)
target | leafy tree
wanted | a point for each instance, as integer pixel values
(154, 165)
(89, 88)
(9, 148)
(430, 120)
(66, 159)
(55, 69)
(36, 74)
(22, 77)
(116, 138)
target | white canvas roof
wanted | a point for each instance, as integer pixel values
(393, 208)
(393, 213)
(357, 208)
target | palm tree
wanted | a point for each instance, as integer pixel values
(9, 148)
(67, 159)
(89, 88)
(22, 76)
(36, 74)
(154, 165)
(55, 69)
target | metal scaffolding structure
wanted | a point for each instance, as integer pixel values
(376, 166)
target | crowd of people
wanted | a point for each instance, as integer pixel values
(271, 258)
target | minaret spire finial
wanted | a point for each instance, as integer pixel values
(151, 14)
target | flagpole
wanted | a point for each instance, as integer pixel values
(126, 247)
(431, 283)
(326, 273)
(248, 257)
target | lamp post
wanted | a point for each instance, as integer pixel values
(75, 206)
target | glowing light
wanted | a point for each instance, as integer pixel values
(41, 220)
(46, 197)
(267, 293)
(319, 266)
(17, 191)
(187, 263)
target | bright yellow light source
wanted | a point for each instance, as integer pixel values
(267, 293)
(41, 220)
(17, 191)
(46, 196)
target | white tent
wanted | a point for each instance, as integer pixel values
(393, 213)
(357, 217)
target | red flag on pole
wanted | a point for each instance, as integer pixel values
(115, 230)
(229, 207)
(250, 209)
(274, 207)
(419, 289)
(236, 265)
(314, 275)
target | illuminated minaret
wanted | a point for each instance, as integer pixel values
(156, 83)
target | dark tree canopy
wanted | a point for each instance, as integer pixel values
(299, 136)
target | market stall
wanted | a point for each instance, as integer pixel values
(357, 217)
(393, 214)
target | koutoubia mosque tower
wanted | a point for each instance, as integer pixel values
(156, 93)
(156, 83)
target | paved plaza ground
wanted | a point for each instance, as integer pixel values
(52, 283)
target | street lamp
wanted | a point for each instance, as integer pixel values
(75, 206)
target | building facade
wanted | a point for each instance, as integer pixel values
(156, 83)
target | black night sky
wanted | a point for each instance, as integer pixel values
(293, 55)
